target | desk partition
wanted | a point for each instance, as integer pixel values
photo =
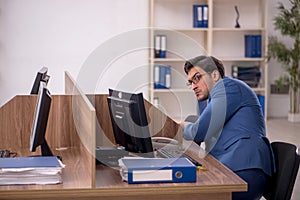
(77, 123)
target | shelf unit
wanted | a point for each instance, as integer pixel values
(174, 18)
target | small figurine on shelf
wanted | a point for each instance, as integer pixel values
(237, 25)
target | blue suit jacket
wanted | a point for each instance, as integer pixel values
(233, 128)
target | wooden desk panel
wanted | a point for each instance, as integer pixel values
(16, 119)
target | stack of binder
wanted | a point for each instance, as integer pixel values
(162, 77)
(157, 170)
(253, 46)
(200, 16)
(249, 74)
(30, 170)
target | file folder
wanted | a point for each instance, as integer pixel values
(257, 46)
(30, 162)
(157, 46)
(200, 15)
(163, 46)
(30, 170)
(205, 16)
(158, 170)
(253, 46)
(162, 77)
(198, 18)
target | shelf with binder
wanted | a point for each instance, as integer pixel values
(237, 39)
(178, 44)
(181, 12)
(218, 38)
(163, 71)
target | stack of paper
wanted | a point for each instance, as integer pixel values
(157, 170)
(30, 170)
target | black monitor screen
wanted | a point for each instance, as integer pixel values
(41, 76)
(129, 121)
(39, 125)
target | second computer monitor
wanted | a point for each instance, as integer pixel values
(39, 124)
(41, 76)
(129, 121)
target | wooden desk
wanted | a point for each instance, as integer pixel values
(217, 182)
(74, 137)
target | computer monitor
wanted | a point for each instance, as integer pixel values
(129, 122)
(41, 76)
(39, 125)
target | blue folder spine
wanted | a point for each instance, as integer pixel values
(205, 16)
(258, 44)
(162, 77)
(163, 46)
(253, 47)
(178, 171)
(157, 46)
(200, 16)
(197, 16)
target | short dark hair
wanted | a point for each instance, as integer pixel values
(207, 63)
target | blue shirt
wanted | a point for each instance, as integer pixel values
(233, 128)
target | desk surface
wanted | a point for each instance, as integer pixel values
(217, 182)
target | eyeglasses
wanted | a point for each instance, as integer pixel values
(195, 79)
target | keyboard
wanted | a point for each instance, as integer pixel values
(173, 153)
(4, 153)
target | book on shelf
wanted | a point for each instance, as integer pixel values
(157, 170)
(162, 77)
(251, 75)
(261, 99)
(160, 46)
(30, 170)
(200, 16)
(253, 47)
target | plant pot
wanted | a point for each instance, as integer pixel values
(279, 90)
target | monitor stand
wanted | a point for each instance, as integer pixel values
(45, 149)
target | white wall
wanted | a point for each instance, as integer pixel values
(61, 35)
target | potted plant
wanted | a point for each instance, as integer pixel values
(281, 85)
(288, 23)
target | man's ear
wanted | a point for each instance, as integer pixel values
(215, 75)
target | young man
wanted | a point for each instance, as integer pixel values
(232, 124)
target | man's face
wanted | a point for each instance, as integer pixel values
(201, 82)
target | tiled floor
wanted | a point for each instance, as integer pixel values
(279, 129)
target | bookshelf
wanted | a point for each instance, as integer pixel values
(174, 18)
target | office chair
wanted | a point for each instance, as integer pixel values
(280, 185)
